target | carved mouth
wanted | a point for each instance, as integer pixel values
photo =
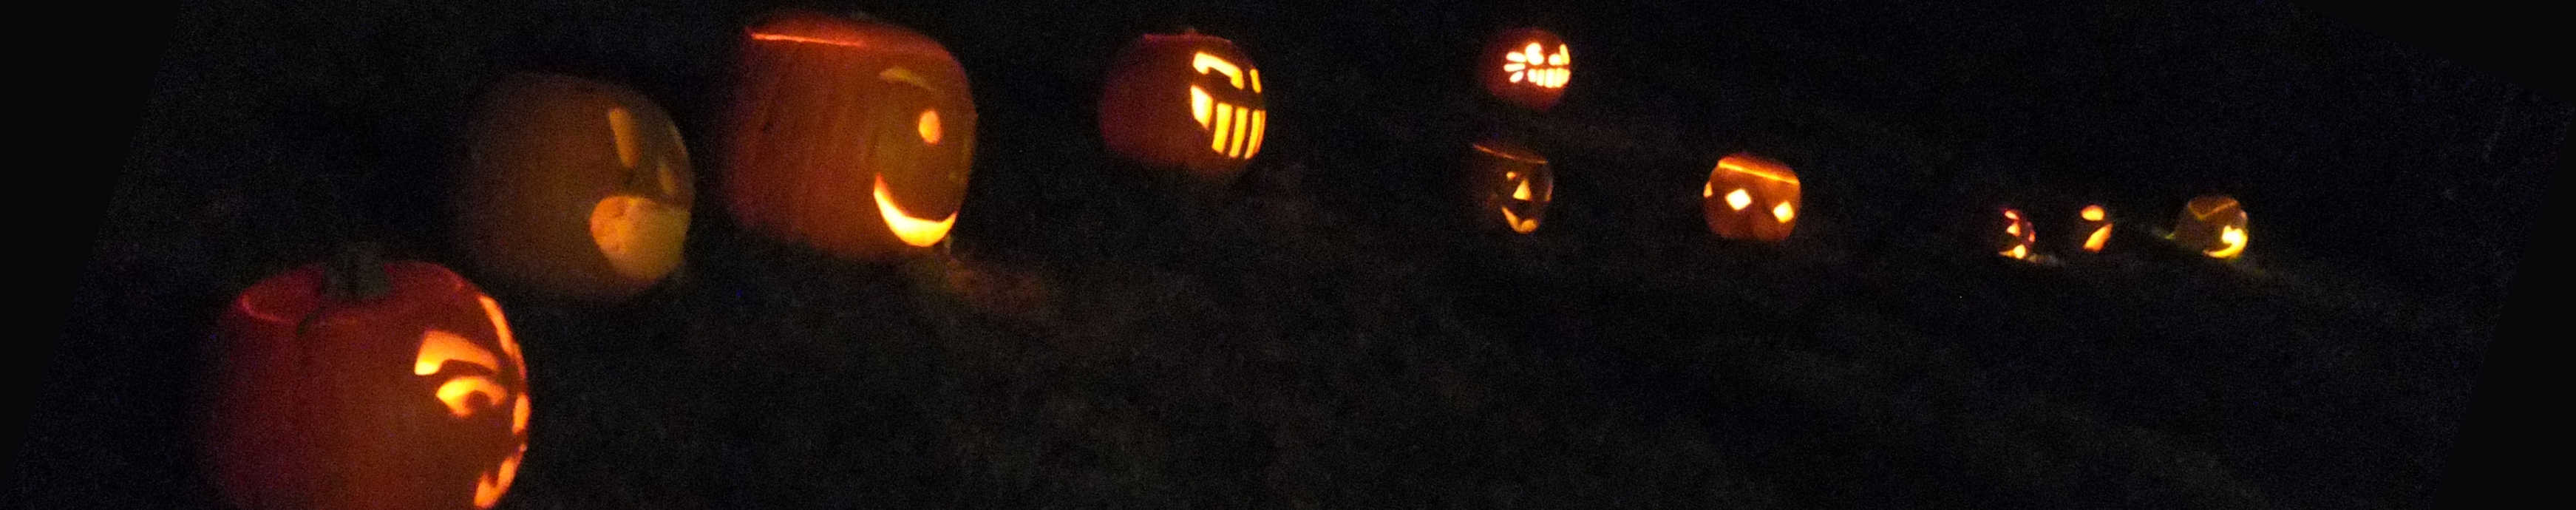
(639, 236)
(1519, 225)
(912, 231)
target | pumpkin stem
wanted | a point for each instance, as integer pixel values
(355, 273)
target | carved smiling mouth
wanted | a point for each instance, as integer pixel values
(912, 231)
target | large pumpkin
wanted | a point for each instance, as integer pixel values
(854, 137)
(1510, 183)
(411, 395)
(2212, 224)
(1186, 101)
(573, 188)
(1750, 198)
(1528, 67)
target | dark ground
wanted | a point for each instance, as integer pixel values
(1325, 333)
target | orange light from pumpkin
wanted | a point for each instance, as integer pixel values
(439, 347)
(1521, 193)
(2102, 234)
(1533, 65)
(621, 126)
(1739, 199)
(1783, 212)
(639, 236)
(2235, 240)
(912, 231)
(489, 487)
(1237, 130)
(1519, 225)
(2019, 231)
(815, 40)
(929, 126)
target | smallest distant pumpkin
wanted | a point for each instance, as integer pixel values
(1511, 183)
(1527, 67)
(2014, 237)
(572, 188)
(2213, 224)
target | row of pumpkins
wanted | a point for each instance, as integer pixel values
(363, 383)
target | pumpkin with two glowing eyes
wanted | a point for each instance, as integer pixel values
(1187, 101)
(411, 395)
(1528, 67)
(1750, 198)
(2013, 236)
(1510, 183)
(572, 188)
(2213, 225)
(853, 137)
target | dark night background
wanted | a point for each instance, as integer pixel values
(1325, 332)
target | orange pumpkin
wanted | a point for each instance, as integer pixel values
(572, 188)
(1187, 101)
(2094, 223)
(1750, 198)
(407, 393)
(1528, 67)
(2214, 225)
(854, 137)
(1510, 183)
(2014, 236)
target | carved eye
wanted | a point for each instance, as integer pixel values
(928, 125)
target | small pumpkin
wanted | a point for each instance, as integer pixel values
(1188, 101)
(2213, 225)
(2094, 223)
(1750, 198)
(365, 384)
(572, 188)
(2013, 236)
(1510, 183)
(853, 137)
(1528, 67)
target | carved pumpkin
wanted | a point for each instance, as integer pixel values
(409, 395)
(2212, 224)
(2095, 226)
(1510, 183)
(853, 137)
(573, 188)
(1750, 198)
(1187, 101)
(2014, 236)
(1528, 67)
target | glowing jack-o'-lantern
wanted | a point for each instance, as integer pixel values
(849, 136)
(2095, 227)
(1511, 183)
(573, 187)
(2015, 236)
(1188, 101)
(1750, 198)
(407, 392)
(1527, 67)
(2212, 224)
